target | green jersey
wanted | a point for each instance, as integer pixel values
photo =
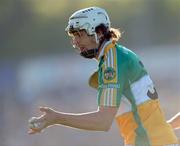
(120, 72)
(122, 81)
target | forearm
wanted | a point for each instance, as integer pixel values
(86, 121)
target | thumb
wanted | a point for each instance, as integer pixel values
(45, 109)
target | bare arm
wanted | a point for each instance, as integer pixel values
(175, 121)
(99, 120)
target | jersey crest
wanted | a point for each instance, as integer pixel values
(109, 73)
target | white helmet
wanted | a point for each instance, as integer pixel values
(88, 19)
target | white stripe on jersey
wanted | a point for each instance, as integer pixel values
(139, 90)
(110, 59)
(104, 46)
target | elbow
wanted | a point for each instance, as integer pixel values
(105, 127)
(100, 127)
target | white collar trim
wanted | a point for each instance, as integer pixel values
(104, 46)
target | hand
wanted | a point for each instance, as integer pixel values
(37, 124)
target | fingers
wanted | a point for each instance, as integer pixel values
(45, 109)
(36, 124)
(36, 128)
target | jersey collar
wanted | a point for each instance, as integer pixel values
(102, 48)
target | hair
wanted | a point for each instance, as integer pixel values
(108, 34)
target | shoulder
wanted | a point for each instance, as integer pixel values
(128, 55)
(125, 51)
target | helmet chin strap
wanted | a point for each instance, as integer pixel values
(89, 54)
(96, 38)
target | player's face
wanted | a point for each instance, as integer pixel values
(82, 41)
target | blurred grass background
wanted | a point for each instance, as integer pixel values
(39, 67)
